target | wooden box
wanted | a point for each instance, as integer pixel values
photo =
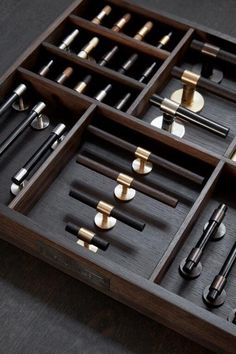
(139, 268)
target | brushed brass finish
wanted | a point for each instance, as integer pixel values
(188, 96)
(143, 31)
(164, 40)
(87, 245)
(80, 87)
(104, 12)
(88, 48)
(123, 191)
(121, 23)
(102, 219)
(86, 235)
(141, 164)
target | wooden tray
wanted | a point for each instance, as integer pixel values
(139, 269)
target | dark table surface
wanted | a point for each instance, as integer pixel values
(41, 309)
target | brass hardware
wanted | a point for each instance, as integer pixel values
(80, 87)
(88, 48)
(105, 12)
(164, 40)
(85, 238)
(210, 49)
(143, 31)
(188, 96)
(102, 219)
(121, 23)
(141, 164)
(123, 191)
(86, 235)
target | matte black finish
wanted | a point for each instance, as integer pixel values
(96, 240)
(214, 222)
(116, 213)
(17, 131)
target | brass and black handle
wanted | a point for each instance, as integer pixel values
(127, 182)
(212, 50)
(19, 178)
(209, 85)
(191, 267)
(87, 236)
(175, 109)
(107, 210)
(214, 295)
(144, 155)
(34, 114)
(17, 93)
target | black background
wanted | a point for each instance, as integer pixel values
(41, 309)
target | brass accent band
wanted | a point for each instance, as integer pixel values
(104, 208)
(80, 86)
(164, 40)
(121, 23)
(143, 31)
(190, 81)
(105, 12)
(142, 153)
(210, 49)
(190, 78)
(124, 180)
(169, 106)
(88, 48)
(86, 235)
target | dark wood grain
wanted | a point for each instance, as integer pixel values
(135, 261)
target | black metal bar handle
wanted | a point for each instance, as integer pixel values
(220, 280)
(191, 117)
(18, 92)
(115, 212)
(23, 173)
(35, 112)
(214, 222)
